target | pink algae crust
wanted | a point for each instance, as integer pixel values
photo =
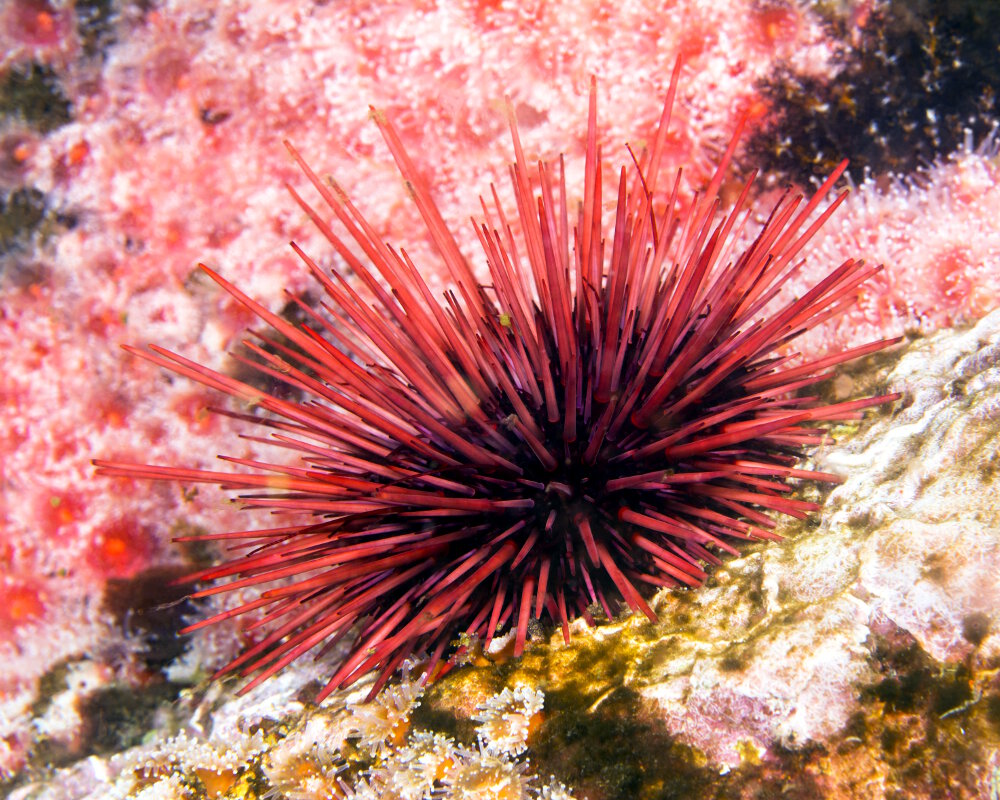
(174, 156)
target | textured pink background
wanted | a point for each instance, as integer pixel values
(175, 156)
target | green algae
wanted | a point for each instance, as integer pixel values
(22, 213)
(33, 94)
(95, 25)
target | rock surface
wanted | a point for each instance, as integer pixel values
(775, 653)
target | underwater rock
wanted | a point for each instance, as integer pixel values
(774, 654)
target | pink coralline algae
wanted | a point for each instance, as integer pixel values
(935, 233)
(173, 155)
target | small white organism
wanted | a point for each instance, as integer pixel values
(480, 776)
(507, 719)
(168, 788)
(554, 790)
(383, 722)
(172, 764)
(416, 769)
(307, 763)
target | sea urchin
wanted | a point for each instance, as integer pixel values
(603, 418)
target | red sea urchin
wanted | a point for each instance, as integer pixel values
(598, 419)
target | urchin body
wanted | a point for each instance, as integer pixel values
(607, 415)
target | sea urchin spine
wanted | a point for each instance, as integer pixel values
(603, 416)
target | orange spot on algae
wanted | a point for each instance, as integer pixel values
(20, 603)
(64, 514)
(120, 549)
(45, 22)
(775, 24)
(22, 152)
(490, 14)
(173, 232)
(56, 511)
(166, 71)
(193, 408)
(694, 41)
(102, 322)
(113, 411)
(232, 318)
(756, 109)
(34, 22)
(77, 153)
